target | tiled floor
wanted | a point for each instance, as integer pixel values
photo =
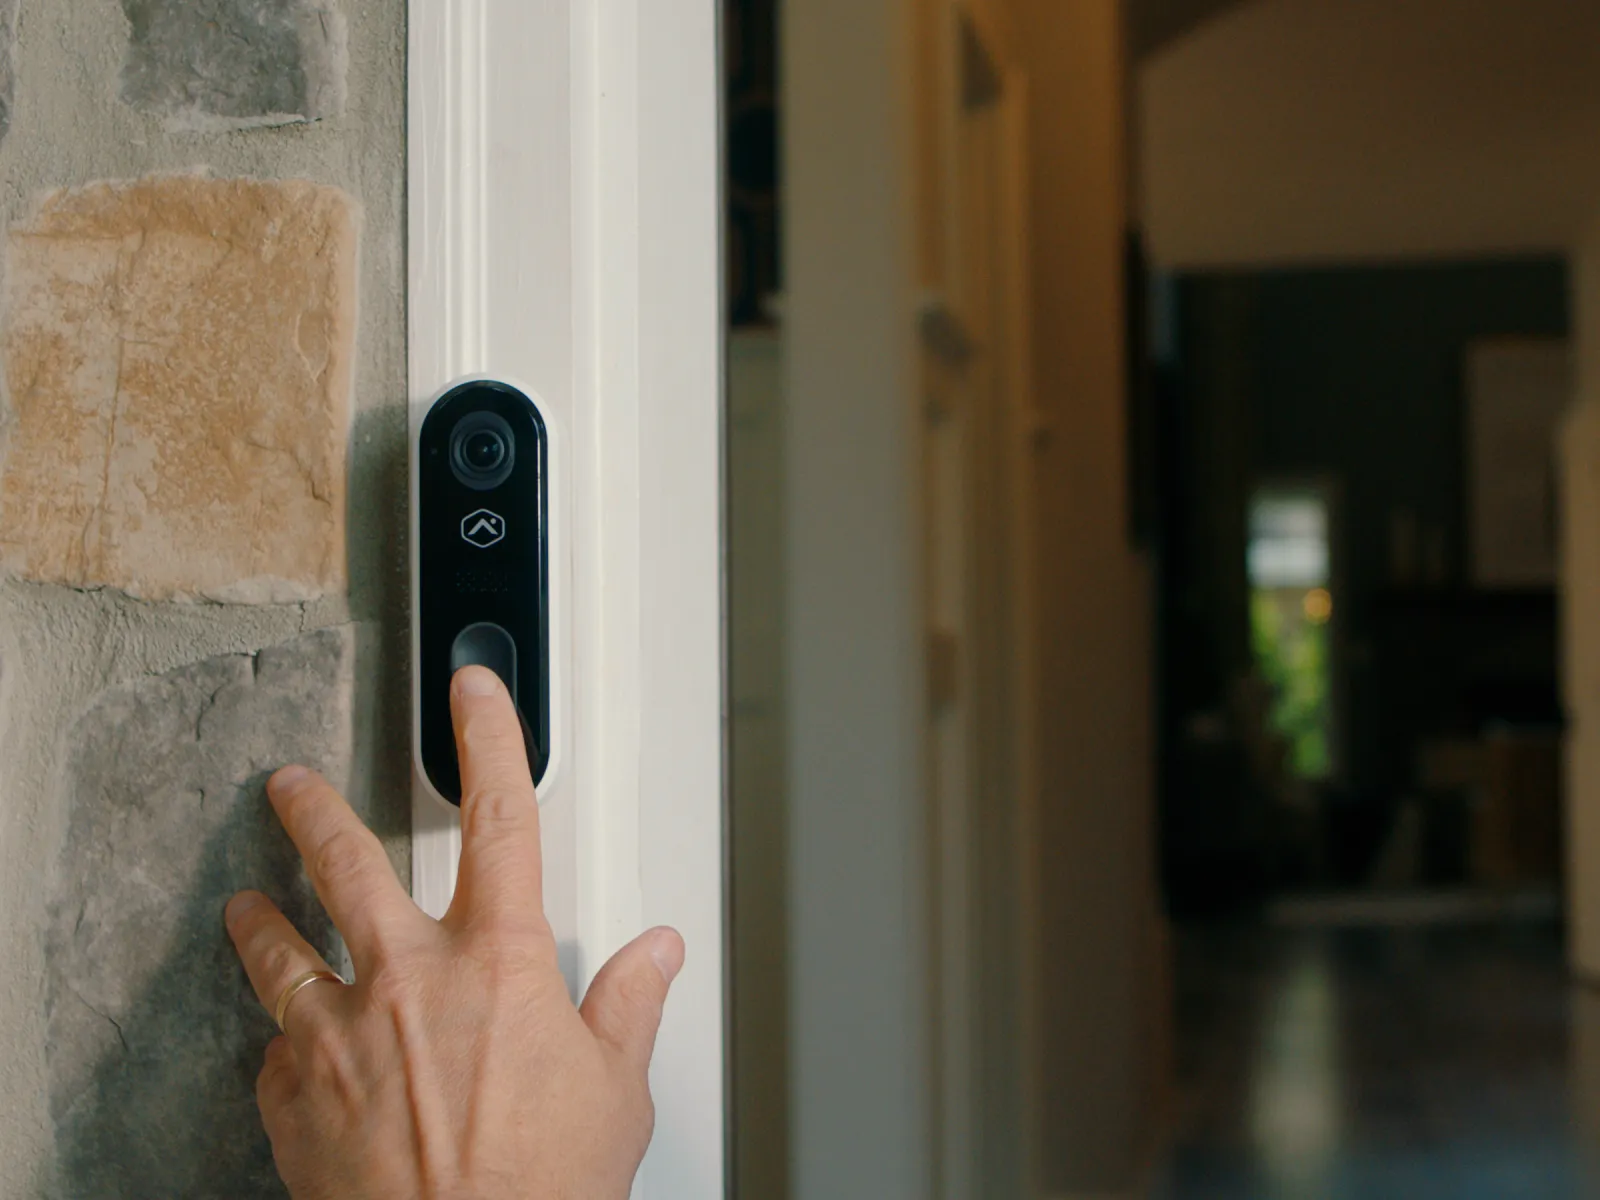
(1414, 1064)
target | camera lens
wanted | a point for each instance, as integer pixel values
(482, 450)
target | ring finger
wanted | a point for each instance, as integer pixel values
(275, 956)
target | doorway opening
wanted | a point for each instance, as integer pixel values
(1341, 510)
(1360, 392)
(1289, 562)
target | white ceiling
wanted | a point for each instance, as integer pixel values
(1306, 131)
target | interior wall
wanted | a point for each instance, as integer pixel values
(859, 1032)
(759, 833)
(1313, 130)
(859, 1003)
(1101, 1003)
(1580, 600)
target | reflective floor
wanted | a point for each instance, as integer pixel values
(1419, 1064)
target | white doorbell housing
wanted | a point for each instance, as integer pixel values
(484, 536)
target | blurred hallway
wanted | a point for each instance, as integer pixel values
(1163, 471)
(1424, 1062)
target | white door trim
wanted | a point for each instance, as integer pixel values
(565, 232)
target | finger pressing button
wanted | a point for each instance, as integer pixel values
(487, 645)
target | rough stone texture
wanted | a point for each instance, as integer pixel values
(229, 64)
(8, 69)
(178, 352)
(154, 1037)
(63, 648)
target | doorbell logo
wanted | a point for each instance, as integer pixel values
(483, 528)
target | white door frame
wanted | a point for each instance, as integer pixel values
(565, 232)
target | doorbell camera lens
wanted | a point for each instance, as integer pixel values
(482, 450)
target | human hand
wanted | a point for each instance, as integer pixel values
(455, 1065)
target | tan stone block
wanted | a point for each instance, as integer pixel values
(178, 359)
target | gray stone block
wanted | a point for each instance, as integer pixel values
(155, 1038)
(231, 64)
(8, 68)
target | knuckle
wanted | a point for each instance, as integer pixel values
(639, 996)
(393, 988)
(269, 1092)
(278, 961)
(500, 808)
(279, 1054)
(638, 1111)
(501, 949)
(273, 1084)
(523, 939)
(333, 1063)
(324, 1046)
(342, 857)
(254, 928)
(278, 1120)
(516, 936)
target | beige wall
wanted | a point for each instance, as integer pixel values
(1309, 130)
(860, 1017)
(758, 823)
(1580, 596)
(859, 1020)
(1100, 1004)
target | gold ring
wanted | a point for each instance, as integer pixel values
(293, 990)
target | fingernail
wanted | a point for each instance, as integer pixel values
(667, 952)
(477, 681)
(241, 905)
(286, 778)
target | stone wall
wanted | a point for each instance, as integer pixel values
(202, 546)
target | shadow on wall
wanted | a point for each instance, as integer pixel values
(155, 1038)
(377, 524)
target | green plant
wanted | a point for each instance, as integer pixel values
(1292, 652)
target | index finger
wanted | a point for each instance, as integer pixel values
(501, 878)
(345, 860)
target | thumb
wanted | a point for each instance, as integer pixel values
(624, 1003)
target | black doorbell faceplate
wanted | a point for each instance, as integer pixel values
(483, 588)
